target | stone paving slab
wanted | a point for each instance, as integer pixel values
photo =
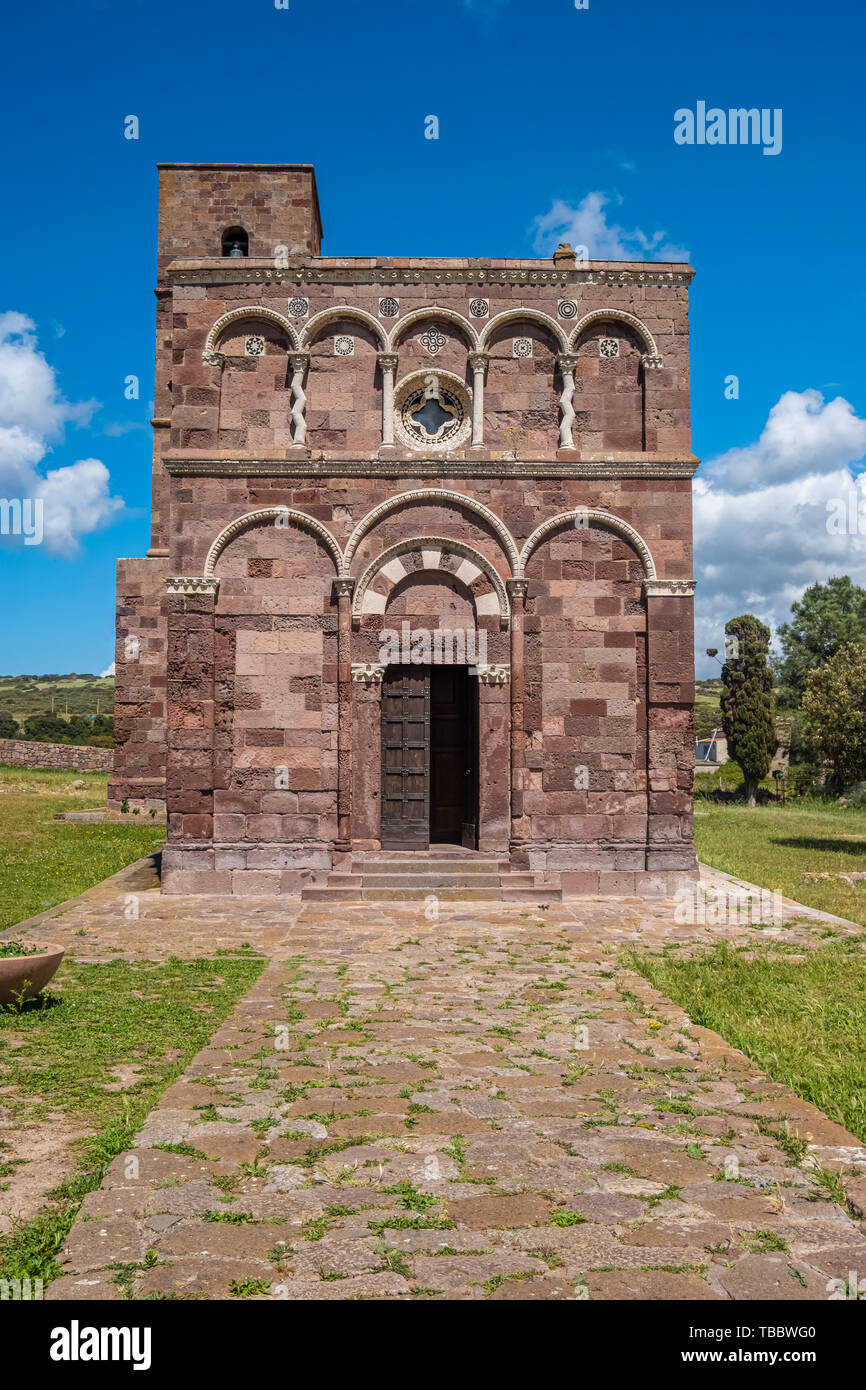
(406, 1109)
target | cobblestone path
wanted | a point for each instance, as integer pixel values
(486, 1106)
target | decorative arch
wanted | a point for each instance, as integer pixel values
(431, 494)
(430, 551)
(243, 523)
(613, 523)
(342, 311)
(248, 311)
(528, 316)
(433, 311)
(618, 316)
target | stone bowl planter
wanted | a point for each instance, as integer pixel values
(22, 977)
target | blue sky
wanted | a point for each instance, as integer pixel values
(548, 114)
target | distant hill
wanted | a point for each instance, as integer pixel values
(708, 713)
(72, 694)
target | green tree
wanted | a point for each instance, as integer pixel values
(747, 700)
(834, 710)
(825, 619)
(46, 728)
(8, 726)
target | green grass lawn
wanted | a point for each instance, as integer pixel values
(63, 1056)
(774, 846)
(43, 862)
(802, 1020)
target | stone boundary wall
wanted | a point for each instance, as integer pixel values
(58, 755)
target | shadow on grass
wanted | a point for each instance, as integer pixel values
(822, 845)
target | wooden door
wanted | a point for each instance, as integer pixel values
(406, 758)
(448, 761)
(469, 838)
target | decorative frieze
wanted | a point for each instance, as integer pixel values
(494, 675)
(191, 584)
(368, 672)
(456, 466)
(670, 588)
(223, 272)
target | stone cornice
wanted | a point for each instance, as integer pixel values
(629, 466)
(247, 272)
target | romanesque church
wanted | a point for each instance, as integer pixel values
(419, 588)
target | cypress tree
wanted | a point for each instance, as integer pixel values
(747, 700)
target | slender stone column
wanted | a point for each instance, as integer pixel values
(388, 366)
(300, 362)
(188, 862)
(567, 365)
(517, 589)
(670, 730)
(344, 587)
(478, 361)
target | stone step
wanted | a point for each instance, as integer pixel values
(474, 895)
(431, 881)
(433, 865)
(531, 895)
(325, 893)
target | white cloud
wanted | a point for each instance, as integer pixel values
(33, 415)
(109, 672)
(587, 225)
(762, 515)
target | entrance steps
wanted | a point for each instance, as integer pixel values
(448, 872)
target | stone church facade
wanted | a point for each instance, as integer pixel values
(420, 568)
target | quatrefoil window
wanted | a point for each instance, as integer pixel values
(432, 411)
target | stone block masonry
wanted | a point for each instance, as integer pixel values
(18, 753)
(344, 447)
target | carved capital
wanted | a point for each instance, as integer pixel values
(388, 361)
(669, 588)
(479, 361)
(213, 359)
(300, 361)
(370, 672)
(344, 586)
(493, 675)
(191, 584)
(566, 361)
(651, 361)
(517, 588)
